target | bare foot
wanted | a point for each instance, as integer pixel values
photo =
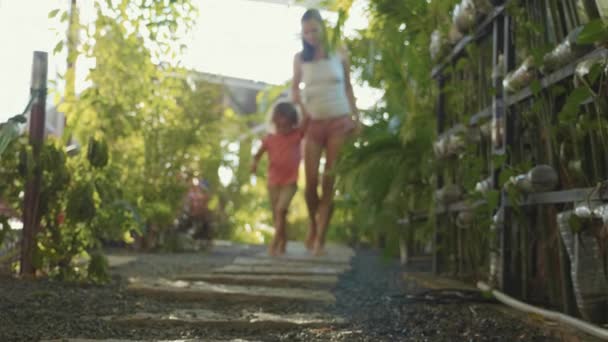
(318, 249)
(310, 240)
(312, 236)
(282, 247)
(272, 248)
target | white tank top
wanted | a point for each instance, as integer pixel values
(324, 93)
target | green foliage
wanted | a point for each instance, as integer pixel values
(9, 131)
(162, 128)
(97, 152)
(98, 268)
(386, 174)
(594, 31)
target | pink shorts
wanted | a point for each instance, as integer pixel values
(319, 131)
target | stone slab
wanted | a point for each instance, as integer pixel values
(201, 317)
(296, 251)
(127, 340)
(308, 281)
(279, 270)
(199, 290)
(120, 260)
(255, 261)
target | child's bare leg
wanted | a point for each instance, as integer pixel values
(272, 247)
(280, 231)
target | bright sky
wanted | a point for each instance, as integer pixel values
(239, 38)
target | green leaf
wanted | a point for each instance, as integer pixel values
(571, 108)
(558, 90)
(493, 198)
(58, 47)
(536, 87)
(64, 17)
(575, 223)
(498, 160)
(594, 31)
(505, 175)
(53, 13)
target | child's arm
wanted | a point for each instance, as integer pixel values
(257, 157)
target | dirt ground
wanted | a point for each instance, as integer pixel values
(372, 298)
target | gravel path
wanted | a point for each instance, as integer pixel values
(372, 297)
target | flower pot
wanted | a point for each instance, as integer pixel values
(484, 186)
(448, 194)
(465, 219)
(540, 178)
(438, 47)
(586, 269)
(602, 7)
(583, 70)
(520, 77)
(566, 52)
(464, 16)
(454, 36)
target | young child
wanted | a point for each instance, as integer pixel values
(284, 156)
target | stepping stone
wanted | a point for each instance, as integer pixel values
(307, 281)
(120, 260)
(279, 270)
(200, 317)
(199, 290)
(286, 262)
(123, 340)
(296, 251)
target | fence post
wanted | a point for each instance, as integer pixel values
(31, 214)
(438, 250)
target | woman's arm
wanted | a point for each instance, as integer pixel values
(297, 79)
(295, 85)
(348, 85)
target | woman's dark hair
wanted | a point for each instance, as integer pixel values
(288, 111)
(308, 51)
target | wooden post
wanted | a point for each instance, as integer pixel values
(510, 235)
(31, 214)
(437, 238)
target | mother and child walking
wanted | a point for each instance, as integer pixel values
(329, 117)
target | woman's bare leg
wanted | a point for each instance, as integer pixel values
(312, 157)
(325, 206)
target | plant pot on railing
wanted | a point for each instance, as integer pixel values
(465, 16)
(449, 194)
(439, 46)
(469, 12)
(484, 186)
(465, 218)
(566, 52)
(473, 134)
(483, 7)
(486, 130)
(454, 36)
(520, 77)
(495, 228)
(586, 267)
(587, 72)
(448, 146)
(540, 178)
(602, 7)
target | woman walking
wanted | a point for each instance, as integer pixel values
(328, 100)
